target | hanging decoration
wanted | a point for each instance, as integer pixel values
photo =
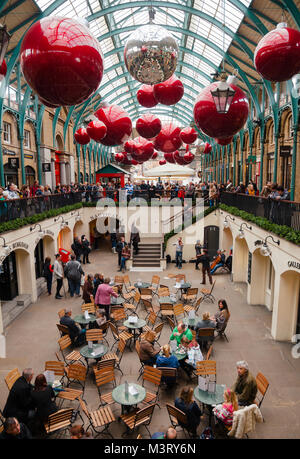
(146, 97)
(124, 158)
(117, 122)
(155, 155)
(188, 135)
(169, 157)
(81, 136)
(162, 162)
(96, 130)
(119, 157)
(151, 53)
(224, 141)
(207, 148)
(277, 55)
(169, 92)
(220, 124)
(179, 157)
(61, 61)
(188, 157)
(44, 102)
(3, 70)
(148, 126)
(141, 149)
(168, 140)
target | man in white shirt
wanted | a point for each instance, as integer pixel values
(58, 274)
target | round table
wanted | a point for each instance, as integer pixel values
(135, 326)
(80, 319)
(209, 399)
(167, 299)
(88, 353)
(179, 355)
(182, 287)
(142, 285)
(118, 395)
(116, 301)
(191, 322)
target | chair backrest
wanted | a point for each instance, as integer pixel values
(89, 307)
(119, 279)
(198, 302)
(205, 332)
(178, 309)
(206, 368)
(168, 372)
(105, 376)
(152, 317)
(138, 348)
(152, 375)
(146, 291)
(104, 327)
(137, 297)
(192, 291)
(166, 307)
(155, 280)
(171, 322)
(84, 407)
(158, 328)
(77, 371)
(147, 304)
(119, 314)
(63, 329)
(59, 419)
(121, 348)
(209, 352)
(11, 377)
(262, 386)
(106, 364)
(144, 415)
(163, 291)
(180, 277)
(126, 279)
(176, 415)
(94, 334)
(114, 329)
(58, 368)
(64, 342)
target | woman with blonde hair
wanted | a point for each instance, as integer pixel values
(186, 404)
(166, 359)
(148, 351)
(224, 411)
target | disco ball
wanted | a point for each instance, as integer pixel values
(151, 54)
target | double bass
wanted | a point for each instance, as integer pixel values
(217, 260)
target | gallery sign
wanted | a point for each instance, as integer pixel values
(294, 264)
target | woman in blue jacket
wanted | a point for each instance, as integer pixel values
(167, 360)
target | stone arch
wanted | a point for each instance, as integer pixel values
(261, 288)
(64, 239)
(25, 271)
(59, 143)
(227, 240)
(78, 229)
(240, 260)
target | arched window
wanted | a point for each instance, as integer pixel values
(30, 175)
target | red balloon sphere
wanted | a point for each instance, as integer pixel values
(118, 125)
(168, 92)
(81, 136)
(169, 157)
(207, 148)
(130, 146)
(3, 69)
(277, 55)
(134, 162)
(188, 135)
(224, 141)
(126, 159)
(61, 60)
(219, 125)
(119, 157)
(168, 140)
(154, 156)
(148, 126)
(44, 102)
(143, 150)
(162, 162)
(188, 157)
(146, 97)
(179, 158)
(96, 130)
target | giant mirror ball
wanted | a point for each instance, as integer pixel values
(219, 125)
(61, 61)
(118, 124)
(148, 126)
(169, 92)
(168, 140)
(277, 55)
(150, 54)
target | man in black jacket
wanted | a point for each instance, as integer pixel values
(14, 430)
(77, 335)
(77, 249)
(205, 260)
(119, 247)
(73, 272)
(19, 401)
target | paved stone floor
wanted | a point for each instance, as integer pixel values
(32, 340)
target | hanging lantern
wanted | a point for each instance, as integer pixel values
(225, 141)
(130, 146)
(81, 136)
(222, 94)
(148, 126)
(169, 157)
(188, 135)
(277, 55)
(146, 97)
(169, 92)
(150, 54)
(207, 148)
(96, 130)
(61, 61)
(168, 140)
(117, 122)
(218, 125)
(126, 158)
(3, 70)
(4, 41)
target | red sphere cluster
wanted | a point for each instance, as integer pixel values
(168, 140)
(188, 135)
(148, 126)
(61, 61)
(168, 92)
(118, 125)
(146, 97)
(81, 136)
(96, 130)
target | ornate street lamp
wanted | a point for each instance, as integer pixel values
(222, 95)
(4, 40)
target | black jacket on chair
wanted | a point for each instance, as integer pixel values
(19, 400)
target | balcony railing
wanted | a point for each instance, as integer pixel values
(279, 212)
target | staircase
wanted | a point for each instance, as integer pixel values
(149, 256)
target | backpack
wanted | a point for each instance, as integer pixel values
(207, 434)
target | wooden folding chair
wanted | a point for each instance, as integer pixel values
(207, 369)
(102, 378)
(153, 376)
(76, 374)
(94, 334)
(178, 310)
(163, 291)
(11, 377)
(130, 289)
(101, 418)
(105, 365)
(166, 309)
(155, 284)
(133, 305)
(190, 296)
(194, 307)
(63, 329)
(89, 307)
(262, 387)
(138, 351)
(171, 323)
(124, 335)
(70, 394)
(58, 422)
(152, 317)
(168, 372)
(177, 417)
(180, 277)
(65, 343)
(138, 418)
(148, 306)
(57, 367)
(119, 316)
(157, 330)
(117, 356)
(146, 294)
(205, 336)
(221, 332)
(207, 294)
(119, 281)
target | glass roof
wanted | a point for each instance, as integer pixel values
(198, 29)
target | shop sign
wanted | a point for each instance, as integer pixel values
(50, 232)
(17, 245)
(294, 264)
(26, 155)
(9, 152)
(285, 150)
